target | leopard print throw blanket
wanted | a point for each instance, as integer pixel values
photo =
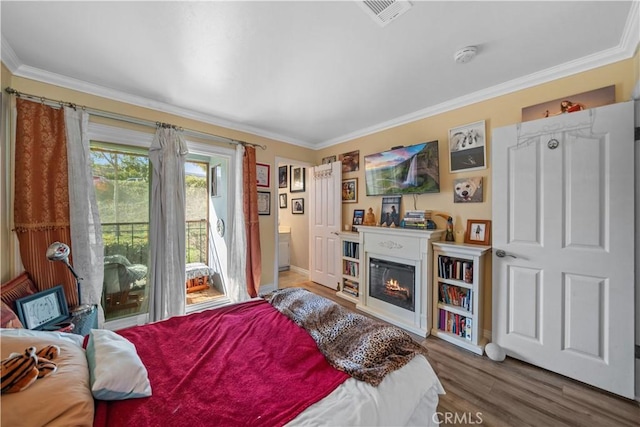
(362, 347)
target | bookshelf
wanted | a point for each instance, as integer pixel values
(458, 271)
(349, 287)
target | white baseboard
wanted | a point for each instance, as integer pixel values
(299, 270)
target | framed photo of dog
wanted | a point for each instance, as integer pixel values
(467, 190)
(467, 147)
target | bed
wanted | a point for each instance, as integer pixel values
(290, 358)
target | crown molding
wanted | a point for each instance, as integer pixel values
(629, 42)
(32, 73)
(8, 56)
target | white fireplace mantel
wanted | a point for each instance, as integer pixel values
(405, 246)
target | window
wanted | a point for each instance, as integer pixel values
(121, 180)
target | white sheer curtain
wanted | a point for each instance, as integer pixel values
(236, 287)
(86, 230)
(167, 296)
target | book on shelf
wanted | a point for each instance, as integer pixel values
(350, 283)
(453, 268)
(455, 324)
(455, 295)
(353, 291)
(350, 268)
(351, 249)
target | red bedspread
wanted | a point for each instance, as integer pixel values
(239, 365)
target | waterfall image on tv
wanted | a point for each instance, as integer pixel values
(406, 170)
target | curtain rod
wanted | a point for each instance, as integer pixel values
(128, 119)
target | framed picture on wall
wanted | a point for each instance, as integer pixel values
(297, 206)
(467, 150)
(350, 161)
(297, 179)
(264, 202)
(262, 175)
(350, 190)
(282, 176)
(283, 200)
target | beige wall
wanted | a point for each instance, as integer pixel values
(497, 112)
(299, 223)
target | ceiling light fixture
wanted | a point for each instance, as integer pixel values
(465, 54)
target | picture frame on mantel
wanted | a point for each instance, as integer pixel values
(358, 219)
(478, 232)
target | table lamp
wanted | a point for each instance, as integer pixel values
(58, 251)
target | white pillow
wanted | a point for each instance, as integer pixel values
(116, 371)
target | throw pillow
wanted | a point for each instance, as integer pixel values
(16, 288)
(116, 371)
(9, 319)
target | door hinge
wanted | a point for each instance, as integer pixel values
(637, 351)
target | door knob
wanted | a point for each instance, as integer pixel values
(501, 254)
(336, 233)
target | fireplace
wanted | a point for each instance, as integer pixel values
(397, 276)
(392, 282)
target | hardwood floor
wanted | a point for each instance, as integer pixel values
(511, 393)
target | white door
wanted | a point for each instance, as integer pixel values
(563, 255)
(325, 207)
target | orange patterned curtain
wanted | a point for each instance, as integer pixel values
(41, 207)
(254, 259)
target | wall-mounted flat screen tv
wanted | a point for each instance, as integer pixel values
(406, 170)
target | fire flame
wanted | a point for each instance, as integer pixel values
(394, 285)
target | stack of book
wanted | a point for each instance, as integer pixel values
(418, 219)
(350, 287)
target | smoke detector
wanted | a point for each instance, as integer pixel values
(384, 11)
(465, 54)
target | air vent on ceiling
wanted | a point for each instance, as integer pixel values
(385, 11)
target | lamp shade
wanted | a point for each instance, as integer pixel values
(58, 251)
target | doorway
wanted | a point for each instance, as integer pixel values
(291, 248)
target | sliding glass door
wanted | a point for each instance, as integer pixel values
(122, 180)
(122, 185)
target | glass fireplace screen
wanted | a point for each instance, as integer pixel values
(392, 282)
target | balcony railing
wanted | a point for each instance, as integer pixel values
(131, 239)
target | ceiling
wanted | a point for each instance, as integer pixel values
(309, 73)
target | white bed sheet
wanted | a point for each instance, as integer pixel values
(408, 396)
